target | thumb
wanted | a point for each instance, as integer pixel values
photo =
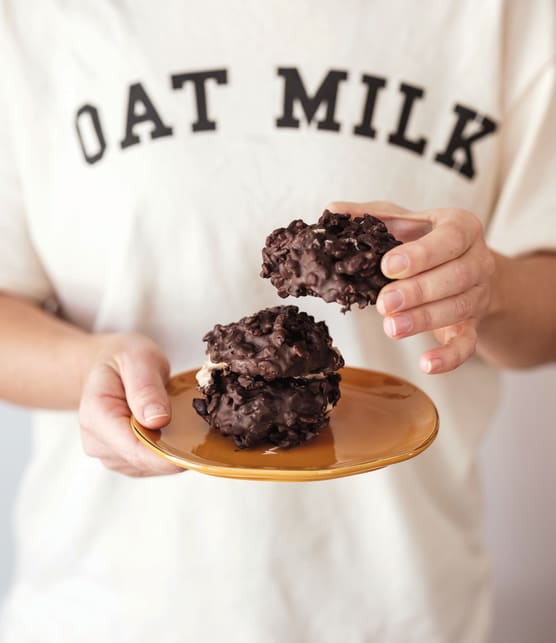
(144, 375)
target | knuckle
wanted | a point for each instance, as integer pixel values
(465, 344)
(459, 237)
(465, 350)
(122, 467)
(84, 425)
(111, 464)
(89, 447)
(454, 355)
(426, 321)
(128, 357)
(462, 306)
(83, 414)
(140, 348)
(473, 337)
(133, 473)
(489, 264)
(476, 224)
(459, 354)
(139, 459)
(92, 447)
(470, 220)
(483, 297)
(87, 431)
(169, 468)
(417, 292)
(143, 350)
(141, 463)
(464, 273)
(144, 393)
(418, 256)
(135, 458)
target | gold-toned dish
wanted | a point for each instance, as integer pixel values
(379, 420)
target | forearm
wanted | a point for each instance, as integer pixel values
(44, 360)
(520, 329)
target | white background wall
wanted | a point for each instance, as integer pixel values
(520, 480)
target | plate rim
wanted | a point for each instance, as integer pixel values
(292, 475)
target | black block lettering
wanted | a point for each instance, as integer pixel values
(365, 127)
(91, 156)
(203, 123)
(460, 142)
(140, 109)
(398, 137)
(294, 90)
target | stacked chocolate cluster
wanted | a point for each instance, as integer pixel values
(270, 377)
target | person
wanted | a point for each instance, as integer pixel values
(146, 152)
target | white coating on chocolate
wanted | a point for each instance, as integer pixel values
(204, 375)
(311, 376)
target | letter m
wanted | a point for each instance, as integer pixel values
(326, 95)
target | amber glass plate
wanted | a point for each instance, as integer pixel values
(379, 420)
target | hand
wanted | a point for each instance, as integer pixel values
(444, 271)
(129, 376)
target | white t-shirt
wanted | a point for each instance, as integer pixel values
(146, 150)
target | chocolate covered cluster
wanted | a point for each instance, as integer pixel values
(275, 342)
(284, 412)
(337, 259)
(269, 378)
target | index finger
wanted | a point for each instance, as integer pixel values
(447, 241)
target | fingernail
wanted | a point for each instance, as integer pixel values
(389, 302)
(431, 365)
(395, 264)
(395, 326)
(155, 412)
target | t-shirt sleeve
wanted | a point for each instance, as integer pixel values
(21, 271)
(524, 217)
